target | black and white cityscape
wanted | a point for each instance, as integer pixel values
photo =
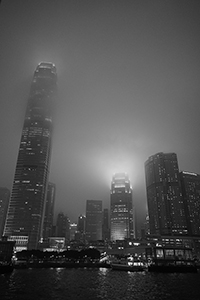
(99, 140)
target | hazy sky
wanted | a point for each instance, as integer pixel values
(128, 87)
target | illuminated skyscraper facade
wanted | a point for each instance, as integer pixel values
(26, 208)
(121, 208)
(4, 200)
(49, 211)
(93, 220)
(190, 184)
(165, 203)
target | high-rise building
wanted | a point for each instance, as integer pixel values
(165, 204)
(190, 184)
(26, 208)
(121, 208)
(49, 212)
(72, 230)
(81, 224)
(105, 225)
(63, 226)
(93, 220)
(4, 200)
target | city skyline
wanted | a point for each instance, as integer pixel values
(128, 88)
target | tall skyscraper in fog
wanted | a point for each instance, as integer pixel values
(26, 208)
(190, 184)
(49, 211)
(4, 200)
(121, 208)
(165, 204)
(93, 220)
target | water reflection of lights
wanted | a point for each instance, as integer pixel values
(103, 271)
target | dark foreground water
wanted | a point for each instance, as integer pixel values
(91, 284)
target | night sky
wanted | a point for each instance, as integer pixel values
(128, 87)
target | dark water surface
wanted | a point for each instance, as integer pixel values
(91, 284)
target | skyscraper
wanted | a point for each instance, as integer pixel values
(105, 225)
(81, 224)
(26, 208)
(93, 220)
(190, 184)
(4, 200)
(165, 204)
(63, 226)
(49, 211)
(121, 208)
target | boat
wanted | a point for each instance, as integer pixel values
(172, 268)
(172, 260)
(126, 267)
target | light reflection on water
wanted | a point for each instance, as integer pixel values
(91, 284)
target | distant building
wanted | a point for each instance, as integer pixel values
(81, 228)
(93, 220)
(81, 224)
(49, 211)
(63, 226)
(190, 184)
(165, 204)
(25, 216)
(4, 200)
(146, 225)
(121, 208)
(105, 225)
(72, 230)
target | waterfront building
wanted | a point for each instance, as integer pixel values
(49, 212)
(165, 204)
(93, 220)
(190, 185)
(4, 200)
(121, 208)
(25, 216)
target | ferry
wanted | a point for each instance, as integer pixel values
(172, 260)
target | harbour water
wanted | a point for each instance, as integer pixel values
(102, 283)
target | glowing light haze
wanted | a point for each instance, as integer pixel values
(128, 87)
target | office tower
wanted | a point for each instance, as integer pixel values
(105, 225)
(146, 225)
(63, 226)
(93, 220)
(26, 208)
(72, 230)
(165, 204)
(4, 200)
(81, 224)
(121, 208)
(49, 212)
(190, 185)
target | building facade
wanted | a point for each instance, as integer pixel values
(105, 225)
(63, 226)
(121, 208)
(93, 220)
(190, 185)
(165, 203)
(25, 216)
(49, 211)
(4, 200)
